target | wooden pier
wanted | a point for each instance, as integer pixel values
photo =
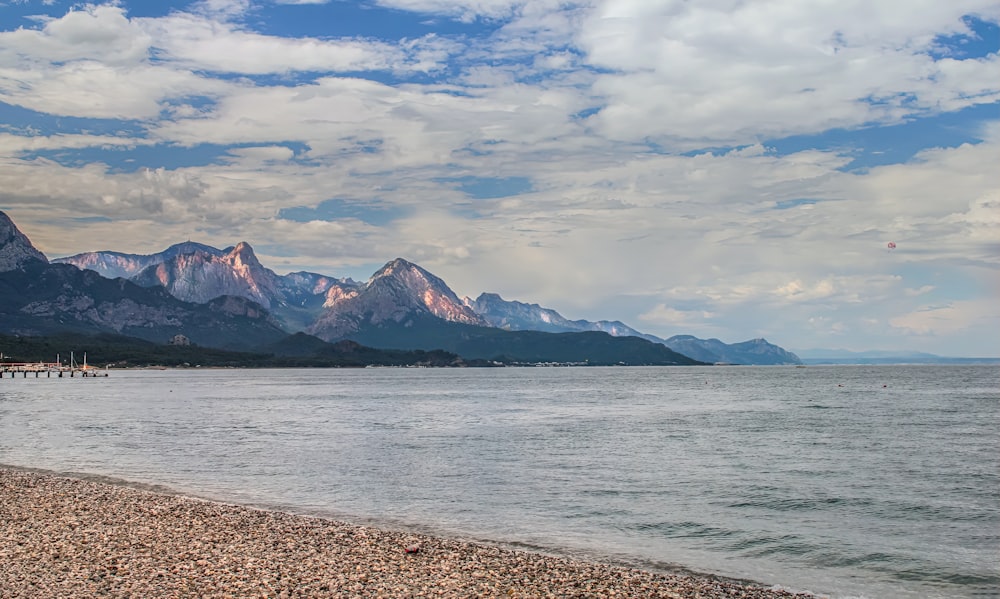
(49, 369)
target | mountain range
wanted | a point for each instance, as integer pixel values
(198, 289)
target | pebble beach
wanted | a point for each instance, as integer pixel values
(71, 537)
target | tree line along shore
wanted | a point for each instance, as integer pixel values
(303, 351)
(119, 351)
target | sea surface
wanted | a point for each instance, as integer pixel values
(847, 481)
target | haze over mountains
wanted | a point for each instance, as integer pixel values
(841, 356)
(228, 298)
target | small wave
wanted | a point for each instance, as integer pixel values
(693, 530)
(791, 504)
(931, 575)
(867, 560)
(786, 545)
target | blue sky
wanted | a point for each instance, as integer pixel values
(722, 169)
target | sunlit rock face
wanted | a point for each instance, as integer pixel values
(202, 276)
(199, 273)
(399, 291)
(404, 285)
(117, 264)
(16, 250)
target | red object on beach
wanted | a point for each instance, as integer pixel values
(892, 245)
(413, 548)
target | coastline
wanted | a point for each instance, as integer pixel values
(65, 536)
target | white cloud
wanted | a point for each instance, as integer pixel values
(410, 126)
(96, 33)
(95, 62)
(918, 292)
(95, 90)
(91, 62)
(206, 44)
(464, 10)
(16, 144)
(261, 155)
(796, 291)
(222, 9)
(736, 72)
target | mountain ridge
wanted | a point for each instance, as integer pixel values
(399, 291)
(112, 264)
(515, 315)
(39, 300)
(198, 273)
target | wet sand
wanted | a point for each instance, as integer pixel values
(69, 537)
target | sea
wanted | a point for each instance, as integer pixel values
(845, 481)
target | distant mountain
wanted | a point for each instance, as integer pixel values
(842, 356)
(305, 288)
(519, 316)
(754, 351)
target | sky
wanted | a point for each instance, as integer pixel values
(722, 168)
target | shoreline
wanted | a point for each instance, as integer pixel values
(75, 535)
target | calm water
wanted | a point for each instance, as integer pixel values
(851, 481)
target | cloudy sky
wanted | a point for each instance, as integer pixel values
(721, 168)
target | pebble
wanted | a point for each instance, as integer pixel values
(68, 537)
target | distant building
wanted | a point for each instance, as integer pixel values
(179, 340)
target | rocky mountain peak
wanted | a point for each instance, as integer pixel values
(205, 273)
(16, 250)
(243, 255)
(397, 292)
(399, 268)
(409, 286)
